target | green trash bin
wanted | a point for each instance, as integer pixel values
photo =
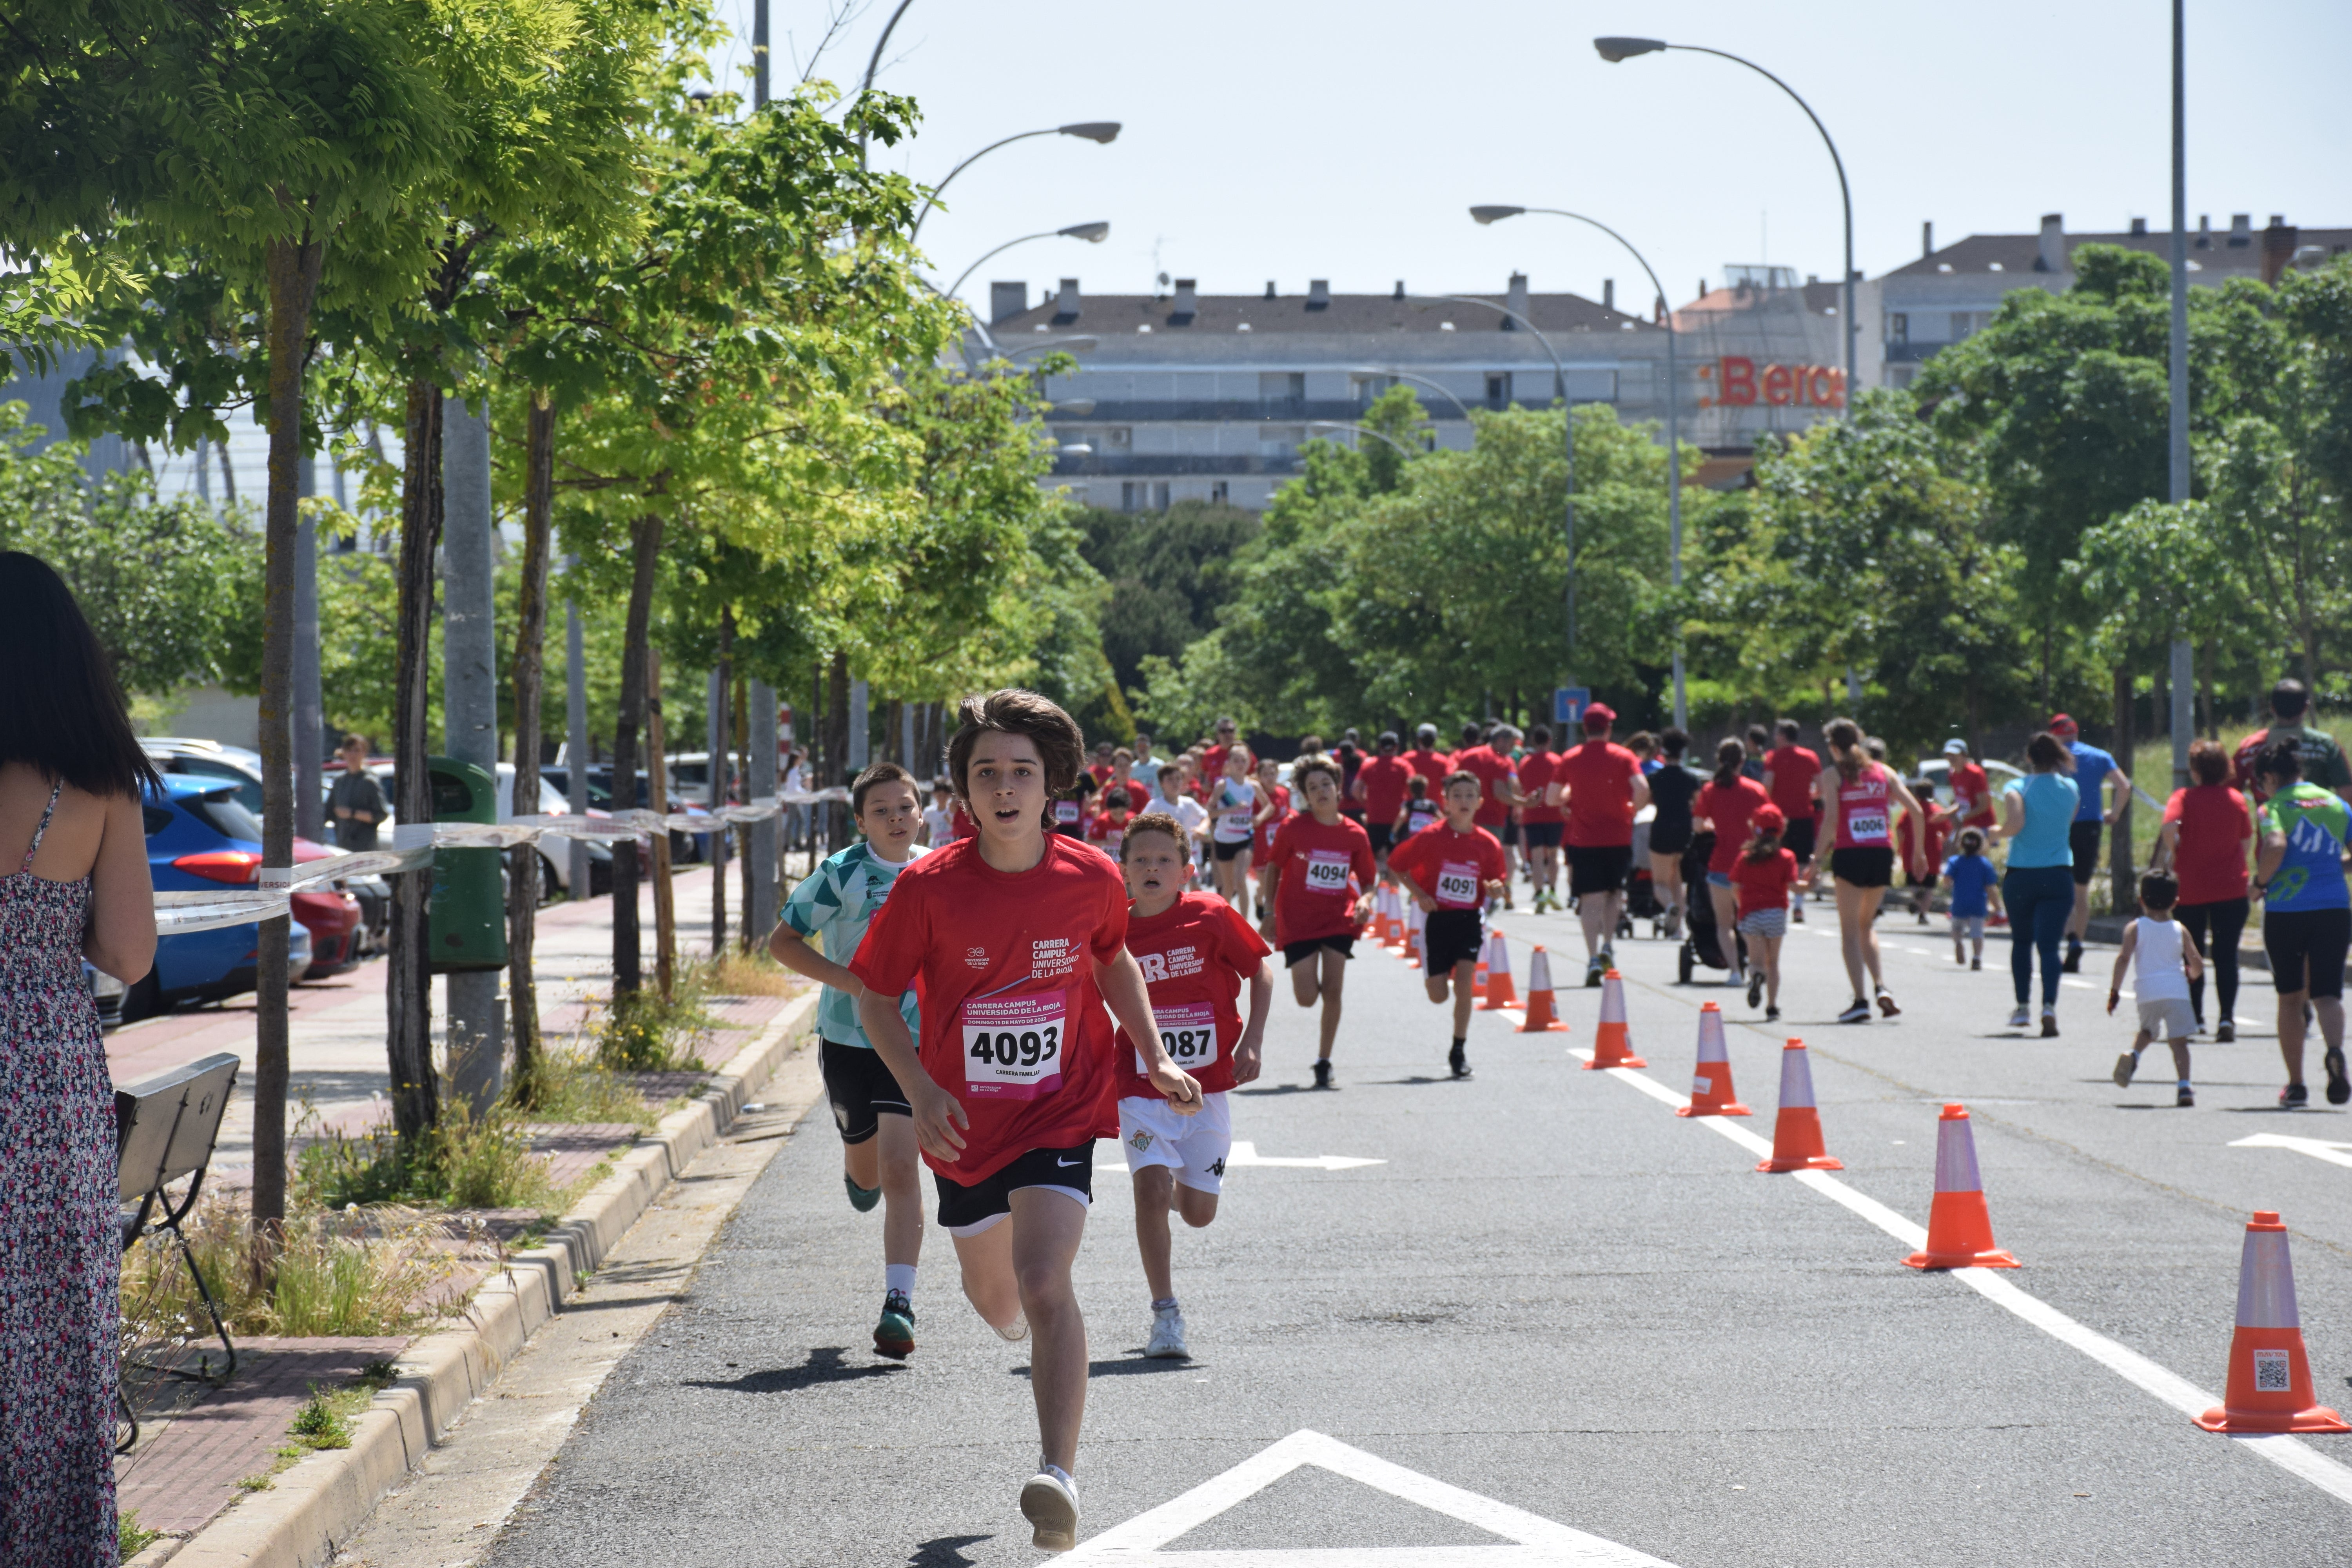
(467, 921)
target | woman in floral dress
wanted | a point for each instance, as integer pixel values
(70, 825)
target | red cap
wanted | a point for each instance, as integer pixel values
(2061, 725)
(1599, 716)
(1768, 820)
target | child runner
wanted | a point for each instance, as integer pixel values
(1319, 877)
(1110, 825)
(877, 1133)
(1451, 870)
(1194, 950)
(2167, 963)
(1672, 788)
(1177, 802)
(1381, 785)
(1277, 795)
(1075, 807)
(1017, 939)
(1234, 803)
(1541, 821)
(1974, 883)
(1763, 877)
(1420, 809)
(1725, 804)
(939, 817)
(1922, 847)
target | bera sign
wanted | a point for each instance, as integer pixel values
(1741, 383)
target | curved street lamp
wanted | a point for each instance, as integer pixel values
(1391, 370)
(1092, 233)
(1362, 430)
(1616, 49)
(1101, 132)
(1488, 215)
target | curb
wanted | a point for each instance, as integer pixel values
(321, 1500)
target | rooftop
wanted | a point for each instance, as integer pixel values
(1187, 311)
(2240, 247)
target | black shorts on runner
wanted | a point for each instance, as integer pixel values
(1233, 851)
(860, 1088)
(1452, 937)
(966, 1210)
(1801, 838)
(2083, 838)
(1670, 840)
(2313, 940)
(1294, 954)
(1543, 834)
(1864, 865)
(1597, 868)
(1382, 834)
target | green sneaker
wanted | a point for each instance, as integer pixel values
(861, 1199)
(893, 1336)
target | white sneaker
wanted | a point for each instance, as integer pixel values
(1017, 1331)
(1167, 1342)
(1050, 1504)
(2021, 1019)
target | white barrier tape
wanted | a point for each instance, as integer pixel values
(178, 913)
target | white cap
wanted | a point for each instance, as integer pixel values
(1956, 748)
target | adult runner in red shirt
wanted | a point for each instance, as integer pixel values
(1541, 821)
(2208, 831)
(1381, 785)
(1601, 785)
(1319, 874)
(1450, 868)
(1971, 791)
(1014, 941)
(1789, 771)
(1194, 950)
(1427, 760)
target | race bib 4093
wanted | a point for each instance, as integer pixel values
(1012, 1046)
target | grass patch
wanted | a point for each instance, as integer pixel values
(131, 1536)
(324, 1421)
(336, 1276)
(573, 1085)
(465, 1162)
(642, 1031)
(736, 973)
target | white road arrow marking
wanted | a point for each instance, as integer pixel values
(1245, 1153)
(1533, 1541)
(2317, 1148)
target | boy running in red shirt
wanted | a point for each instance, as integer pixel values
(1451, 870)
(1319, 874)
(1110, 825)
(1541, 820)
(1014, 941)
(1381, 785)
(1194, 950)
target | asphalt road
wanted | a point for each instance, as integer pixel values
(1552, 1300)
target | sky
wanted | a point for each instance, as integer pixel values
(1287, 140)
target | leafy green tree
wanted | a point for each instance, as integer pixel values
(1169, 572)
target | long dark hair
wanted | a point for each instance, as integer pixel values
(1728, 756)
(61, 710)
(1844, 737)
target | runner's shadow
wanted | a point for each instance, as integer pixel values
(1127, 1367)
(824, 1365)
(947, 1551)
(1278, 1088)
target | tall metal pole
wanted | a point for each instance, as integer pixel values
(767, 834)
(2184, 659)
(477, 1023)
(307, 725)
(575, 736)
(1675, 508)
(759, 54)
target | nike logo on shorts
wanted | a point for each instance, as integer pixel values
(1059, 1162)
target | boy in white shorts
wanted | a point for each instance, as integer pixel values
(1195, 950)
(2167, 962)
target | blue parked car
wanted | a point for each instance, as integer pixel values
(201, 838)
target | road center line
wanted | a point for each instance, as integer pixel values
(2293, 1454)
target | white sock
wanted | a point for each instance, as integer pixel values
(1164, 1304)
(900, 1276)
(1062, 1476)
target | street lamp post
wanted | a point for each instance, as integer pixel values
(1435, 386)
(1092, 233)
(1362, 430)
(1487, 215)
(1102, 131)
(1616, 49)
(2184, 664)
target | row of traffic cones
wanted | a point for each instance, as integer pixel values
(2270, 1387)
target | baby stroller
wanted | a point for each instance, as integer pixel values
(1699, 946)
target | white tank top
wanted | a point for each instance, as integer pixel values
(2158, 974)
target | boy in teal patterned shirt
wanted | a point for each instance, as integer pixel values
(2307, 913)
(878, 1130)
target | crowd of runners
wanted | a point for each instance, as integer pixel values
(1064, 946)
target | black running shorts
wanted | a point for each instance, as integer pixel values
(2307, 945)
(2083, 838)
(1543, 834)
(1382, 834)
(1233, 851)
(962, 1207)
(860, 1088)
(1294, 954)
(1864, 865)
(1597, 868)
(1801, 838)
(1452, 937)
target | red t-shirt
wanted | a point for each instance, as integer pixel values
(1729, 807)
(1106, 834)
(1600, 777)
(1451, 867)
(1383, 781)
(1430, 765)
(1195, 956)
(1489, 766)
(1923, 861)
(965, 827)
(1764, 884)
(1793, 770)
(2210, 858)
(1973, 793)
(1004, 966)
(1262, 840)
(1321, 872)
(1538, 769)
(1213, 766)
(1100, 771)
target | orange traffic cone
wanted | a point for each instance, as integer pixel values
(1540, 1019)
(1500, 992)
(2270, 1374)
(1613, 1047)
(1959, 1229)
(1797, 1130)
(1711, 1092)
(1383, 927)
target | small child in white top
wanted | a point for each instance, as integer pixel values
(2167, 962)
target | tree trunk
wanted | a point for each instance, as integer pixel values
(293, 268)
(2121, 892)
(408, 982)
(721, 715)
(644, 544)
(744, 837)
(658, 786)
(530, 668)
(836, 750)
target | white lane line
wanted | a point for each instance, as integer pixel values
(2290, 1454)
(2317, 1148)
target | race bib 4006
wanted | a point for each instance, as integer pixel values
(1867, 827)
(1013, 1044)
(1189, 1033)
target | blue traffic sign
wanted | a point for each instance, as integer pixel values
(1568, 703)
